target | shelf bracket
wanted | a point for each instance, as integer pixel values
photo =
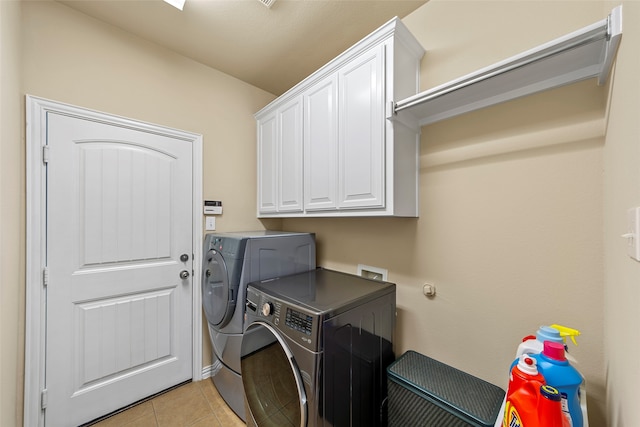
(614, 33)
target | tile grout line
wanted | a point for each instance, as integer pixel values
(220, 410)
(155, 413)
(209, 404)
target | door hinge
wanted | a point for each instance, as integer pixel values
(44, 398)
(45, 276)
(45, 154)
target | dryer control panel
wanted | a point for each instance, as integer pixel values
(296, 324)
(299, 321)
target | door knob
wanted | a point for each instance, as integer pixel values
(184, 274)
(184, 257)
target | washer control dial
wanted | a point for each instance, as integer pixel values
(267, 309)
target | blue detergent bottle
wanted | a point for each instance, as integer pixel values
(558, 373)
(534, 344)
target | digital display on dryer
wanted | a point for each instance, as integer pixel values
(299, 321)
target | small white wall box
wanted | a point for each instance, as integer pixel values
(212, 207)
(370, 272)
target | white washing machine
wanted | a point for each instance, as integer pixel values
(231, 260)
(316, 348)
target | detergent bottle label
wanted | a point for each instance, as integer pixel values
(565, 408)
(511, 416)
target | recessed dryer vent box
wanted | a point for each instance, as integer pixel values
(370, 272)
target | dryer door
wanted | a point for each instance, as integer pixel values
(218, 298)
(273, 387)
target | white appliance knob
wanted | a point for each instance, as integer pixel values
(267, 308)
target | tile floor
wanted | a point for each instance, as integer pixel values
(194, 404)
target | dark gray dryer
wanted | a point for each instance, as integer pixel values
(316, 348)
(231, 260)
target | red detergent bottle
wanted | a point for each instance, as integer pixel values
(530, 402)
(550, 408)
(521, 408)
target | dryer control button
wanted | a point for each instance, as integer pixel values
(267, 308)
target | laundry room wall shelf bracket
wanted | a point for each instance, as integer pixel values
(582, 54)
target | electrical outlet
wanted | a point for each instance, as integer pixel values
(210, 223)
(633, 233)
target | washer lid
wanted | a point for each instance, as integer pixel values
(219, 290)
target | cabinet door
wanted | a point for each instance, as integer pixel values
(267, 163)
(290, 157)
(361, 131)
(321, 145)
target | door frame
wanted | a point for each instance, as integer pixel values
(35, 319)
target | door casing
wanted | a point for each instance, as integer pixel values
(36, 126)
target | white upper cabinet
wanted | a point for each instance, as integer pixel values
(361, 136)
(321, 145)
(280, 159)
(353, 161)
(267, 164)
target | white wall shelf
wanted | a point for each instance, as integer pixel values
(583, 54)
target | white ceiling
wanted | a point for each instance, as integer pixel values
(271, 48)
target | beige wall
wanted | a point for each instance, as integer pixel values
(11, 217)
(71, 58)
(512, 197)
(622, 191)
(510, 227)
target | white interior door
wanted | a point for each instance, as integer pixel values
(118, 314)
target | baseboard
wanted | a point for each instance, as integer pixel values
(206, 371)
